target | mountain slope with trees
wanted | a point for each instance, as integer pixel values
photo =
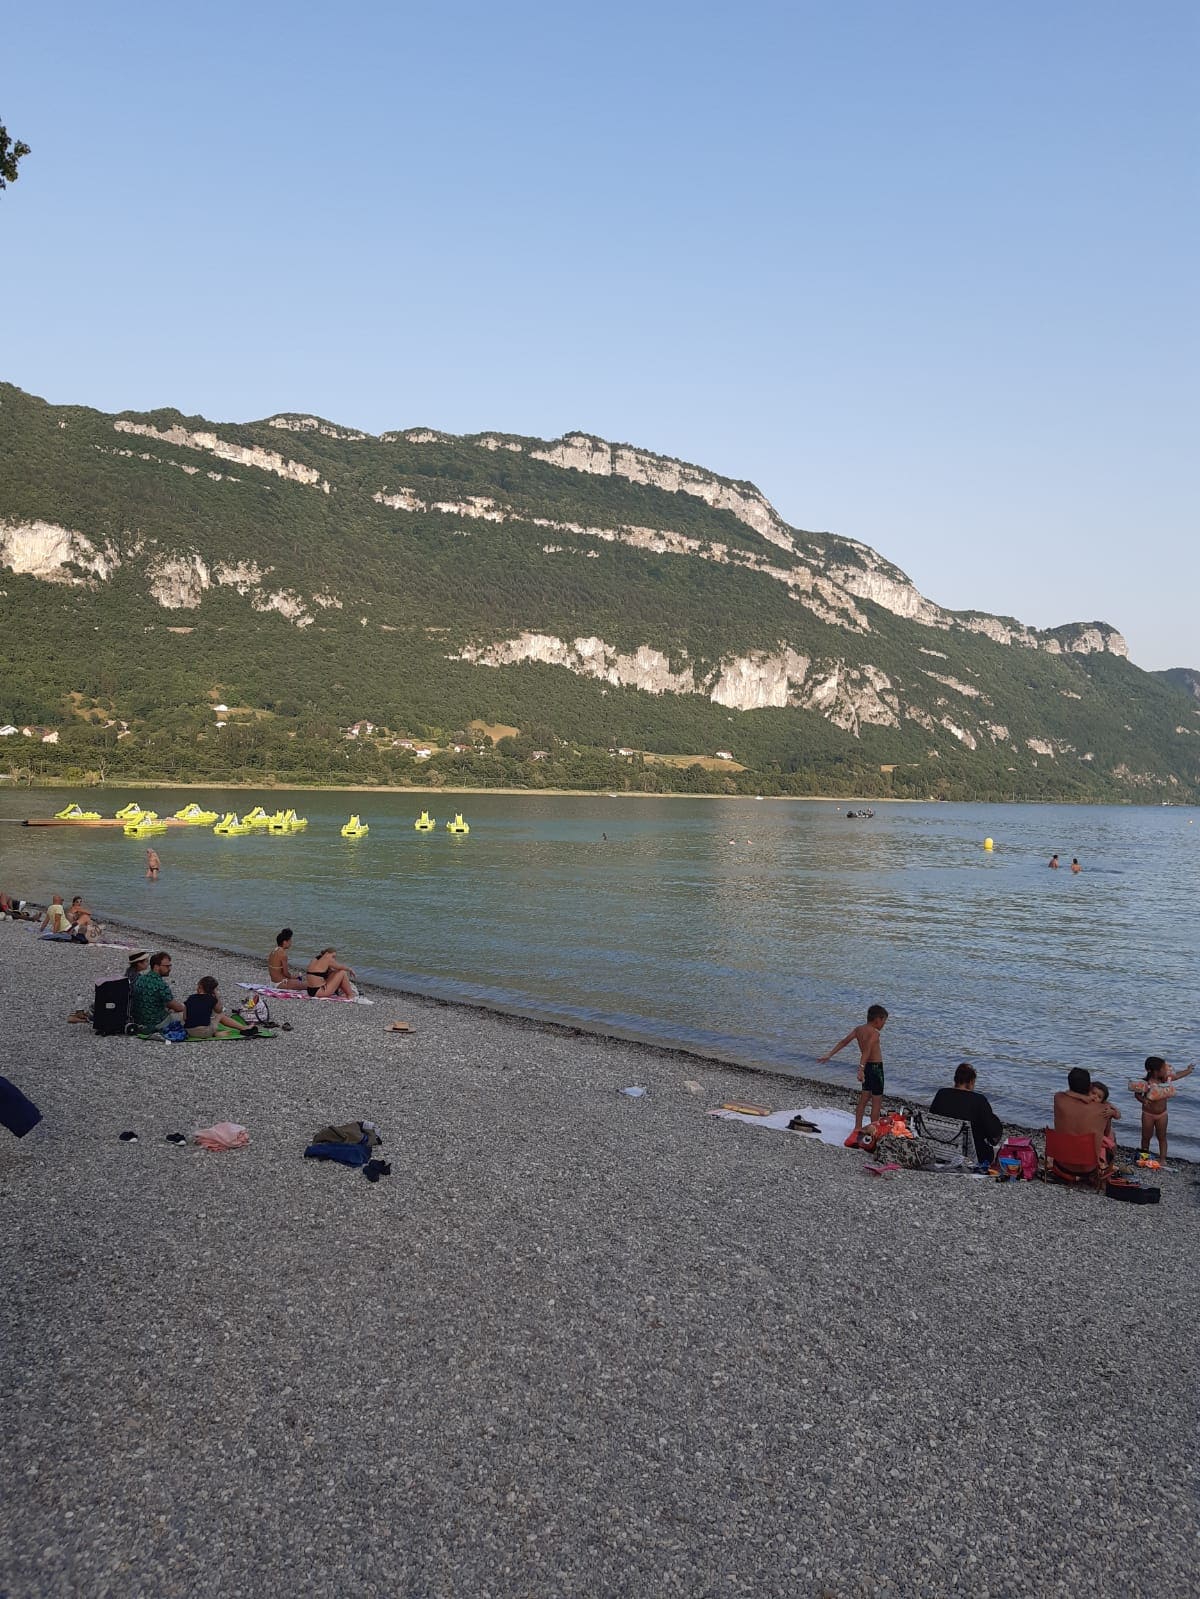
(595, 597)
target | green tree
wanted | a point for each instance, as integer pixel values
(10, 155)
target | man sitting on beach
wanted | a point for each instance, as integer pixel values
(963, 1104)
(152, 1001)
(56, 923)
(1075, 1111)
(278, 970)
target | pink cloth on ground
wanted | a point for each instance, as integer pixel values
(222, 1135)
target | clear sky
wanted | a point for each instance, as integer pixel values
(924, 270)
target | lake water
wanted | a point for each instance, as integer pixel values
(754, 931)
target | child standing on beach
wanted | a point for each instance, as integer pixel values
(1098, 1094)
(1152, 1095)
(870, 1065)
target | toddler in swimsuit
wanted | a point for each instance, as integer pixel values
(1152, 1095)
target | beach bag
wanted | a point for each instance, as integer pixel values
(945, 1133)
(1023, 1152)
(911, 1153)
(1132, 1193)
(110, 1011)
(255, 1010)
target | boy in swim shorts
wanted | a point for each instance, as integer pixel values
(870, 1065)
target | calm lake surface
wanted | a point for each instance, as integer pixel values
(756, 931)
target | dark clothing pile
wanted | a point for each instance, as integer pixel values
(350, 1144)
(18, 1114)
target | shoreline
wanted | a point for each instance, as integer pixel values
(450, 788)
(697, 1059)
(58, 785)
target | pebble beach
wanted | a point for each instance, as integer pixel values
(575, 1344)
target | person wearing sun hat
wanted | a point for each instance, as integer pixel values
(139, 961)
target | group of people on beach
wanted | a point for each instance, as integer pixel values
(153, 1006)
(325, 977)
(1083, 1107)
(73, 924)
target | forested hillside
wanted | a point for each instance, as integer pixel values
(186, 599)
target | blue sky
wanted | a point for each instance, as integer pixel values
(924, 272)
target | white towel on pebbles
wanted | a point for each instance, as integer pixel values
(835, 1125)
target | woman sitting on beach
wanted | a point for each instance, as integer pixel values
(202, 1013)
(139, 962)
(80, 918)
(278, 970)
(327, 978)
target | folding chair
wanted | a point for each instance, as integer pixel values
(1072, 1158)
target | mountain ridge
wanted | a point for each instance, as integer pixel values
(498, 556)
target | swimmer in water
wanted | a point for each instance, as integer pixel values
(1075, 866)
(1052, 863)
(153, 864)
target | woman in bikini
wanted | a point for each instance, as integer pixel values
(327, 978)
(1152, 1095)
(278, 970)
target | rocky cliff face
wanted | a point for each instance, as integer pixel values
(833, 584)
(849, 696)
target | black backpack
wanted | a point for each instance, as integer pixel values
(110, 1013)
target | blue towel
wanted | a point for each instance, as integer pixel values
(346, 1154)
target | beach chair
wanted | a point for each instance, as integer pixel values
(949, 1138)
(1071, 1158)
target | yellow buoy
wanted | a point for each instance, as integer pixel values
(988, 844)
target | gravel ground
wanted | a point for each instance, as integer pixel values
(576, 1344)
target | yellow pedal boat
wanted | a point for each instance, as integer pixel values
(457, 825)
(193, 816)
(355, 828)
(425, 823)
